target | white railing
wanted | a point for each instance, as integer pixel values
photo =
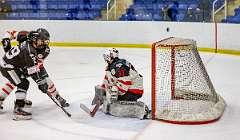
(215, 11)
(112, 7)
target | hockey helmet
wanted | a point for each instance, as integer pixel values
(110, 54)
(44, 33)
(38, 39)
(33, 36)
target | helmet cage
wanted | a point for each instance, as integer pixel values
(110, 54)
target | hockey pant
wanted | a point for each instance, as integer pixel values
(14, 77)
(18, 79)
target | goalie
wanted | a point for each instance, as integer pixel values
(121, 88)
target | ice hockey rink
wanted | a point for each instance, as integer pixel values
(75, 71)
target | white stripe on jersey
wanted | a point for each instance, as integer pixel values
(14, 76)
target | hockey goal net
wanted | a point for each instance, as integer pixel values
(182, 92)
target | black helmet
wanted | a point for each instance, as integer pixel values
(44, 33)
(33, 36)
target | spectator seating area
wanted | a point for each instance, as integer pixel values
(188, 10)
(140, 10)
(56, 9)
(235, 18)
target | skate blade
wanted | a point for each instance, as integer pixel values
(28, 108)
(20, 117)
(1, 111)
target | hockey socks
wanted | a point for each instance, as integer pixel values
(6, 90)
(55, 95)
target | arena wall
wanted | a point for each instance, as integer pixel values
(132, 34)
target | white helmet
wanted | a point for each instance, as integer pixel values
(110, 54)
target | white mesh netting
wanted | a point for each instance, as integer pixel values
(184, 92)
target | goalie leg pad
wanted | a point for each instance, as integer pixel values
(99, 93)
(106, 106)
(127, 109)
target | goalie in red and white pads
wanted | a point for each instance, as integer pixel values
(121, 88)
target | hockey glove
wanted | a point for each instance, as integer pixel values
(6, 44)
(43, 86)
(11, 35)
(114, 93)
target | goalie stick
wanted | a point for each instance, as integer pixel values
(63, 109)
(94, 110)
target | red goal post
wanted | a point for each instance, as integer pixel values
(182, 92)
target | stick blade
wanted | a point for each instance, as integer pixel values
(85, 108)
(93, 111)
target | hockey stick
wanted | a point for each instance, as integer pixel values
(63, 109)
(94, 110)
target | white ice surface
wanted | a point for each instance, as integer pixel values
(75, 71)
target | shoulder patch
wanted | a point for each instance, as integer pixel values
(119, 65)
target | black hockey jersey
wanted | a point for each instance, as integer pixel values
(22, 37)
(22, 57)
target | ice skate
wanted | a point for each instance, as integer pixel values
(28, 104)
(148, 113)
(19, 113)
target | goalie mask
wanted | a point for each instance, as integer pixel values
(110, 54)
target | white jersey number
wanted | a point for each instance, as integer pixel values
(14, 51)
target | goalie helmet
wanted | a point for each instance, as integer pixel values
(110, 54)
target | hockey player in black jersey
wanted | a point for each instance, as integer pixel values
(121, 88)
(21, 36)
(21, 62)
(42, 53)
